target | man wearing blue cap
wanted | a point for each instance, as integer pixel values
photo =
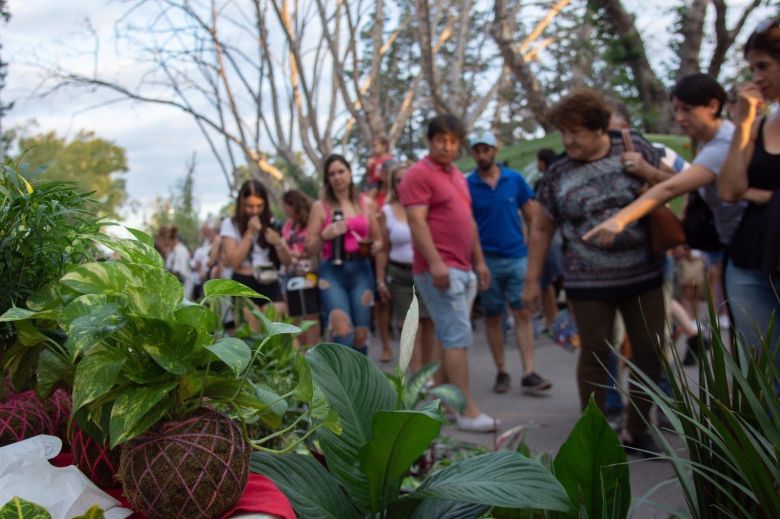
(499, 195)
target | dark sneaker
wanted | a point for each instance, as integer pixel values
(502, 383)
(533, 384)
(643, 446)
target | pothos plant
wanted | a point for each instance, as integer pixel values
(137, 352)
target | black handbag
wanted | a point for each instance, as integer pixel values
(699, 225)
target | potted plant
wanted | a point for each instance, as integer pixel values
(153, 374)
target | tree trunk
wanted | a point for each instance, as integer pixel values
(692, 31)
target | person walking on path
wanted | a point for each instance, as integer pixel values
(446, 248)
(499, 195)
(583, 188)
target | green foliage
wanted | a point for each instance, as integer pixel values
(139, 353)
(18, 508)
(379, 442)
(730, 424)
(93, 164)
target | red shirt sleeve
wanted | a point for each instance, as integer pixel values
(415, 189)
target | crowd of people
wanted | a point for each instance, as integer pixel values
(353, 258)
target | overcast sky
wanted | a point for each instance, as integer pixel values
(159, 141)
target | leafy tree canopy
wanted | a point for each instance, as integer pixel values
(95, 165)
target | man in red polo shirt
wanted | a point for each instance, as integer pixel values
(446, 247)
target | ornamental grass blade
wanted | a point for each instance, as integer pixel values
(312, 491)
(503, 479)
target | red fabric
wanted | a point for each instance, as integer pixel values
(375, 170)
(446, 195)
(261, 495)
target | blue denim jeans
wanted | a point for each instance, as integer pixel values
(507, 277)
(450, 309)
(753, 299)
(349, 288)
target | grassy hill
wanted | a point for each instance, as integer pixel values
(522, 156)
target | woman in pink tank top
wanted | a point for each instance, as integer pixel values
(346, 289)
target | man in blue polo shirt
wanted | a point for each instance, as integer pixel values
(499, 195)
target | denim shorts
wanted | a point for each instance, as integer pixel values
(450, 309)
(344, 288)
(507, 277)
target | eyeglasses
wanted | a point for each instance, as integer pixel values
(766, 25)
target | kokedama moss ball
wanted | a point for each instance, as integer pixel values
(195, 468)
(94, 459)
(58, 406)
(23, 416)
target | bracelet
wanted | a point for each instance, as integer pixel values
(381, 284)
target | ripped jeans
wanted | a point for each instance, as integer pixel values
(349, 288)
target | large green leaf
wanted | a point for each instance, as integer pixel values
(446, 509)
(506, 479)
(90, 328)
(95, 375)
(591, 464)
(169, 345)
(356, 388)
(199, 317)
(233, 352)
(22, 314)
(312, 491)
(228, 287)
(100, 277)
(130, 407)
(272, 328)
(134, 251)
(399, 438)
(51, 369)
(141, 236)
(82, 306)
(18, 508)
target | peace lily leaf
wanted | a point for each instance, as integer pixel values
(228, 287)
(130, 407)
(134, 251)
(233, 352)
(94, 512)
(446, 509)
(356, 388)
(277, 328)
(408, 333)
(399, 438)
(141, 236)
(312, 491)
(95, 375)
(18, 508)
(304, 391)
(416, 383)
(591, 463)
(506, 479)
(169, 346)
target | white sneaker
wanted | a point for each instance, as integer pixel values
(482, 423)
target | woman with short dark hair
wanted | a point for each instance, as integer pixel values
(583, 187)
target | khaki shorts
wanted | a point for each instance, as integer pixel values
(691, 272)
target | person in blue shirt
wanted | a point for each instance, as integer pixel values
(499, 195)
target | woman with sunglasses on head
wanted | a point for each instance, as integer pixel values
(252, 248)
(753, 162)
(346, 283)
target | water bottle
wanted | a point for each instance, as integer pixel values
(338, 241)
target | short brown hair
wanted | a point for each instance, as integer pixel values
(583, 107)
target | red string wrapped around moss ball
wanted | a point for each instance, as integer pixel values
(95, 460)
(195, 468)
(23, 416)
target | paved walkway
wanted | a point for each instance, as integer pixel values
(549, 418)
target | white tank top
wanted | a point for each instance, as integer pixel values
(400, 238)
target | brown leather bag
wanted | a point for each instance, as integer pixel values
(666, 230)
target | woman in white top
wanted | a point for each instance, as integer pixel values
(394, 269)
(252, 248)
